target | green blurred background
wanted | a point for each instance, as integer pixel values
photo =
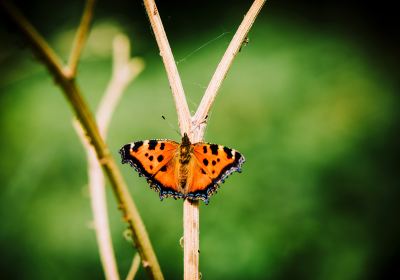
(311, 101)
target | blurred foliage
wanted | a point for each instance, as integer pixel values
(313, 116)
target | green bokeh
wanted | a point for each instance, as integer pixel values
(311, 114)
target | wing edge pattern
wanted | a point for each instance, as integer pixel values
(212, 188)
(154, 184)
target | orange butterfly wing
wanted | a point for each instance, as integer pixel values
(155, 160)
(158, 161)
(213, 163)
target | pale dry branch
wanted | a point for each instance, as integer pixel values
(125, 70)
(80, 39)
(223, 67)
(195, 126)
(72, 92)
(191, 239)
(170, 67)
(99, 208)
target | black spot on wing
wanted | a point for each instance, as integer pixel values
(160, 158)
(125, 152)
(152, 144)
(228, 152)
(214, 149)
(137, 145)
(163, 169)
(162, 146)
(238, 157)
(213, 162)
(205, 149)
(205, 161)
(230, 168)
(151, 158)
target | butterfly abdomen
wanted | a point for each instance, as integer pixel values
(185, 156)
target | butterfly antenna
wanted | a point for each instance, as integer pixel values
(170, 125)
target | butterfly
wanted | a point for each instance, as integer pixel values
(184, 170)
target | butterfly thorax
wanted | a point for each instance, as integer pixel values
(185, 156)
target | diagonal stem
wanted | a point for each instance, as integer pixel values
(223, 68)
(86, 119)
(99, 208)
(125, 70)
(196, 125)
(178, 93)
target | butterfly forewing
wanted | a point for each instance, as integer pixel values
(149, 156)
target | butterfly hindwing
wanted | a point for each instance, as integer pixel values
(165, 180)
(201, 185)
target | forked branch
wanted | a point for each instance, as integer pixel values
(195, 126)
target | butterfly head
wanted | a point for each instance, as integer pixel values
(185, 140)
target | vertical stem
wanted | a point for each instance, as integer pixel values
(191, 229)
(100, 215)
(190, 209)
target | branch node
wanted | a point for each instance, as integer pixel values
(145, 264)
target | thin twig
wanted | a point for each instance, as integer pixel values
(134, 267)
(37, 42)
(86, 119)
(124, 72)
(80, 38)
(196, 126)
(223, 68)
(170, 66)
(99, 208)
